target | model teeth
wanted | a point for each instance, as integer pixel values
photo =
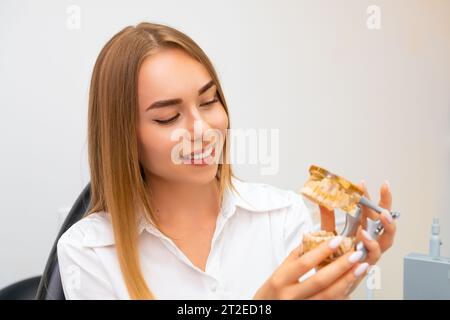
(314, 239)
(203, 155)
(327, 192)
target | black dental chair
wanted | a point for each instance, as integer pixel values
(49, 286)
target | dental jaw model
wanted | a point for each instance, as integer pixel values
(334, 192)
(313, 239)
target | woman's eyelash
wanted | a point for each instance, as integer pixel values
(177, 115)
(210, 102)
(168, 120)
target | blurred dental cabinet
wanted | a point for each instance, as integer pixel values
(427, 276)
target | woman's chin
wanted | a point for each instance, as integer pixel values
(198, 175)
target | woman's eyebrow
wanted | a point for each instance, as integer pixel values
(205, 87)
(176, 101)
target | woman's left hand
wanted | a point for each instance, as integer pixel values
(375, 248)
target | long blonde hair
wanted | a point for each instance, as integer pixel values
(118, 182)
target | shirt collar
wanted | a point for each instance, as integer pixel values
(258, 197)
(252, 197)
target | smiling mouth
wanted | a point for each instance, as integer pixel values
(204, 154)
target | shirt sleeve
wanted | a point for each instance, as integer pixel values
(82, 274)
(298, 221)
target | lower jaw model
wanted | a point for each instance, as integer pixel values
(313, 239)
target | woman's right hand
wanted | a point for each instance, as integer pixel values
(334, 281)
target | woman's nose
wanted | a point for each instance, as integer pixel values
(197, 125)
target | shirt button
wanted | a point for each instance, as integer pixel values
(214, 287)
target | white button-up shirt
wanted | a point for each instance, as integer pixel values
(253, 235)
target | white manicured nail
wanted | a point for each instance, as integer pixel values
(355, 256)
(387, 215)
(387, 184)
(335, 242)
(366, 235)
(361, 269)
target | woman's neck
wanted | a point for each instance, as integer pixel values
(179, 204)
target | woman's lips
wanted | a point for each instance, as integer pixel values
(198, 152)
(201, 161)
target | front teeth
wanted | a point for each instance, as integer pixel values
(203, 155)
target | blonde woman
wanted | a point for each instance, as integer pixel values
(164, 229)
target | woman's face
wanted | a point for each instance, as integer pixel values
(179, 114)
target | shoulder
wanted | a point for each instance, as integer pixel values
(79, 261)
(255, 196)
(92, 230)
(290, 217)
(286, 206)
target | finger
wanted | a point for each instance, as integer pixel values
(385, 196)
(280, 273)
(345, 285)
(372, 246)
(300, 250)
(326, 276)
(327, 219)
(386, 239)
(295, 268)
(294, 254)
(366, 212)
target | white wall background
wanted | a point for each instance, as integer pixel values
(368, 104)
